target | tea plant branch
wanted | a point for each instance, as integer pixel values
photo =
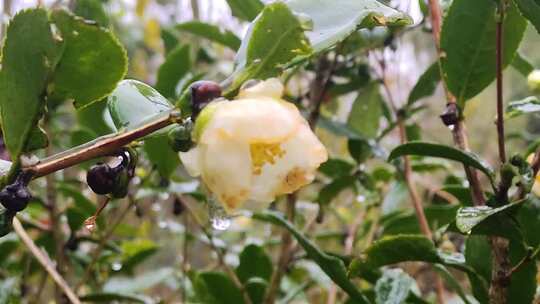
(407, 169)
(102, 146)
(459, 132)
(44, 261)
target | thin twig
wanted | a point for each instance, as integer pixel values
(44, 261)
(102, 146)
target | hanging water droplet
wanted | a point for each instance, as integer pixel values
(116, 266)
(219, 218)
(90, 224)
(451, 127)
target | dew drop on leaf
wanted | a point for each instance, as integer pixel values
(90, 223)
(219, 218)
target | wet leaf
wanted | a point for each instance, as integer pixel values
(177, 64)
(527, 105)
(211, 32)
(245, 9)
(530, 9)
(426, 84)
(254, 263)
(217, 288)
(366, 111)
(393, 287)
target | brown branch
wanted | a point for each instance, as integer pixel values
(459, 133)
(44, 261)
(285, 254)
(102, 146)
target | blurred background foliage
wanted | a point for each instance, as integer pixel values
(157, 245)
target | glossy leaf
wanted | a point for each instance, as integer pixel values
(442, 151)
(436, 215)
(132, 103)
(245, 9)
(530, 9)
(333, 21)
(211, 32)
(527, 105)
(426, 84)
(393, 287)
(335, 167)
(92, 63)
(273, 40)
(256, 289)
(161, 155)
(522, 65)
(332, 266)
(254, 263)
(177, 64)
(468, 41)
(469, 217)
(217, 288)
(143, 281)
(366, 111)
(30, 53)
(92, 10)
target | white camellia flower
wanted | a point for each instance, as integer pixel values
(253, 148)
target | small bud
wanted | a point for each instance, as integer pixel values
(202, 93)
(180, 138)
(450, 116)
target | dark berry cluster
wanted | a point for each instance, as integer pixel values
(104, 179)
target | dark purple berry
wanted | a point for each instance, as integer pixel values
(202, 93)
(450, 116)
(101, 178)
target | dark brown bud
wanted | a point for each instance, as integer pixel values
(450, 116)
(202, 93)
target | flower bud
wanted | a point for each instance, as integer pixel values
(533, 81)
(202, 93)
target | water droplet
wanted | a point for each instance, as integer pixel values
(361, 198)
(219, 218)
(164, 196)
(163, 224)
(116, 266)
(451, 127)
(90, 224)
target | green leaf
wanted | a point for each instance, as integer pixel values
(112, 297)
(360, 149)
(468, 40)
(523, 283)
(217, 288)
(333, 189)
(522, 65)
(177, 64)
(211, 32)
(436, 215)
(335, 167)
(274, 39)
(37, 139)
(245, 9)
(366, 111)
(442, 151)
(30, 53)
(333, 21)
(132, 103)
(426, 84)
(135, 252)
(527, 105)
(331, 265)
(93, 116)
(256, 289)
(161, 155)
(92, 63)
(393, 287)
(530, 9)
(468, 218)
(92, 10)
(254, 263)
